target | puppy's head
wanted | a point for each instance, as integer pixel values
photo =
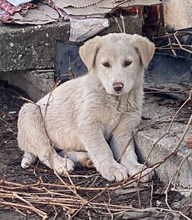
(119, 60)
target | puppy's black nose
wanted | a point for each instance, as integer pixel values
(118, 86)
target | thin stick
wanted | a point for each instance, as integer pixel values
(152, 191)
(72, 190)
(171, 47)
(119, 26)
(123, 23)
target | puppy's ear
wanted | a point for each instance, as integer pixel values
(145, 49)
(89, 50)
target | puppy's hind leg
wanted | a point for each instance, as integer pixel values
(27, 160)
(33, 140)
(78, 157)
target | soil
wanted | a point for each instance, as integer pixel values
(23, 192)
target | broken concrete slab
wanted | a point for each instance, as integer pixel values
(177, 14)
(131, 24)
(167, 141)
(35, 83)
(30, 47)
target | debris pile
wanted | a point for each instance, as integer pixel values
(29, 11)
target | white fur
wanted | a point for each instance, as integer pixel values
(88, 114)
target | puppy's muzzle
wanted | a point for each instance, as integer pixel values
(118, 86)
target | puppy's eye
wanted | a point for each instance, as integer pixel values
(127, 63)
(106, 64)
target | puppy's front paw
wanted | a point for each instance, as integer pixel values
(145, 175)
(63, 165)
(113, 171)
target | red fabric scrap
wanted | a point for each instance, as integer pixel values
(11, 9)
(136, 9)
(4, 16)
(61, 12)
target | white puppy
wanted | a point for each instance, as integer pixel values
(96, 113)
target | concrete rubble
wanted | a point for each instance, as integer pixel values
(30, 47)
(147, 138)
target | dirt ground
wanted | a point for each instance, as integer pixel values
(38, 193)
